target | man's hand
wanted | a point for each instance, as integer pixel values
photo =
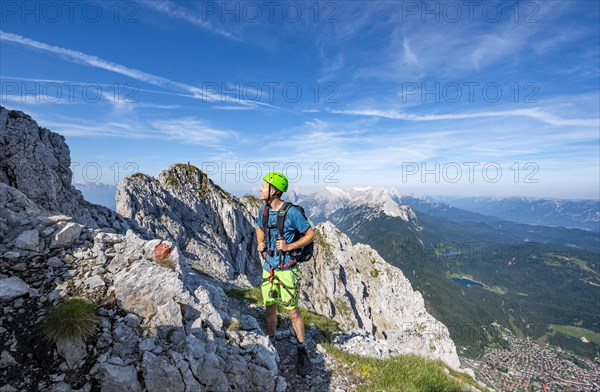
(282, 245)
(262, 246)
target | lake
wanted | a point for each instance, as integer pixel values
(467, 282)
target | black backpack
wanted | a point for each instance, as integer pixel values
(301, 254)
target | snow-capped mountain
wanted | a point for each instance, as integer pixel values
(383, 201)
(321, 204)
(375, 201)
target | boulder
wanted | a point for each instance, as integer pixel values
(12, 287)
(160, 375)
(28, 240)
(66, 235)
(116, 378)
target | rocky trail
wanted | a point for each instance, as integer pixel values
(326, 375)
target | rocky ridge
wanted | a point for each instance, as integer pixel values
(213, 229)
(161, 324)
(372, 300)
(37, 161)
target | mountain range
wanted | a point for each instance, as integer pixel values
(579, 214)
(476, 271)
(576, 214)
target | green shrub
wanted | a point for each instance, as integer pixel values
(171, 180)
(73, 319)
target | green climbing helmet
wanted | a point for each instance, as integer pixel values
(278, 180)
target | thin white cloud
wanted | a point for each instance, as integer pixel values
(530, 113)
(188, 130)
(192, 130)
(142, 76)
(409, 55)
(173, 11)
(221, 107)
(81, 128)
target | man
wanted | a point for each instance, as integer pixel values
(281, 273)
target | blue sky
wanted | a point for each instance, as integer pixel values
(466, 98)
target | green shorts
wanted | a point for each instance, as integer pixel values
(286, 296)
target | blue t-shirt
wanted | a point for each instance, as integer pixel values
(294, 221)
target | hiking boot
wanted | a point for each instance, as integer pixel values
(303, 366)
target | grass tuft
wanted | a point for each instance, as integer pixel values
(324, 324)
(166, 263)
(171, 180)
(406, 373)
(252, 295)
(73, 319)
(233, 325)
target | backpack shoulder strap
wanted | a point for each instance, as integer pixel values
(265, 218)
(281, 216)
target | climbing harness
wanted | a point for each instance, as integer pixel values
(293, 291)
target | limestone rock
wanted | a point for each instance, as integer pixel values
(37, 162)
(94, 282)
(66, 235)
(116, 378)
(29, 240)
(12, 287)
(72, 350)
(55, 262)
(354, 286)
(214, 230)
(160, 375)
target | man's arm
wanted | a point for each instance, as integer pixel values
(260, 238)
(308, 237)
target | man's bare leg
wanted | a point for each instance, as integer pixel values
(271, 319)
(297, 324)
(303, 367)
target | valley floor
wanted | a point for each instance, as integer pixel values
(528, 366)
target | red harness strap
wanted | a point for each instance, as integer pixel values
(287, 264)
